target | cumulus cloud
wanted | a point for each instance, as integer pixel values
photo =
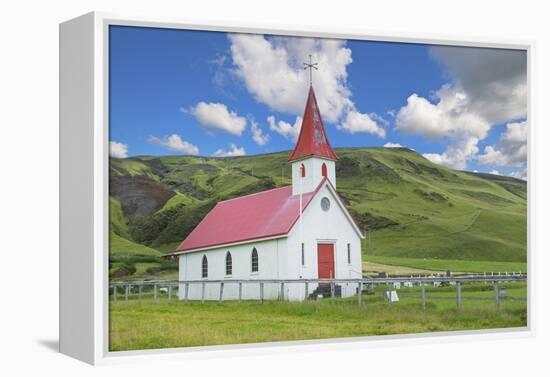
(449, 117)
(358, 122)
(495, 172)
(118, 150)
(271, 70)
(216, 116)
(495, 79)
(487, 87)
(287, 130)
(393, 145)
(231, 152)
(457, 154)
(258, 135)
(175, 143)
(511, 149)
(520, 174)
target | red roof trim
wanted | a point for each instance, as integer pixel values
(229, 244)
(346, 209)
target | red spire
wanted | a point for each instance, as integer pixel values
(313, 139)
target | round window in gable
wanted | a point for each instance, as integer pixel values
(325, 204)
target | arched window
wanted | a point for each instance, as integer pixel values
(254, 259)
(204, 266)
(324, 170)
(302, 170)
(228, 264)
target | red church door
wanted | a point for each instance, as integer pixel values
(325, 260)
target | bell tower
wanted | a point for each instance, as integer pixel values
(312, 159)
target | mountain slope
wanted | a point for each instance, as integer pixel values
(409, 206)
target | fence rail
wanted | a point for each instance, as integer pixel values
(422, 281)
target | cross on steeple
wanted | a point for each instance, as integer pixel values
(311, 66)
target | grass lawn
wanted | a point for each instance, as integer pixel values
(409, 265)
(142, 324)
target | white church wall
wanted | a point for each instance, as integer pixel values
(272, 256)
(313, 176)
(319, 226)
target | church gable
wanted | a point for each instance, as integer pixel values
(317, 206)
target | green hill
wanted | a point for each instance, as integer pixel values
(410, 207)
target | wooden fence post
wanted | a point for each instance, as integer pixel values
(114, 292)
(307, 291)
(186, 292)
(497, 298)
(458, 295)
(240, 291)
(127, 292)
(202, 294)
(169, 293)
(359, 292)
(155, 293)
(139, 292)
(262, 292)
(332, 290)
(423, 295)
(221, 293)
(282, 291)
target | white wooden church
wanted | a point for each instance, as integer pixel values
(302, 231)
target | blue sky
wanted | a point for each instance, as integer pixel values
(208, 93)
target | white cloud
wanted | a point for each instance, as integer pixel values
(393, 145)
(118, 150)
(495, 172)
(258, 135)
(272, 71)
(487, 87)
(520, 174)
(232, 152)
(287, 130)
(457, 154)
(174, 142)
(494, 79)
(449, 117)
(511, 150)
(358, 122)
(216, 116)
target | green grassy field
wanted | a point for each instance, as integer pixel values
(143, 324)
(403, 266)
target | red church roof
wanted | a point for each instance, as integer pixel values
(313, 139)
(264, 214)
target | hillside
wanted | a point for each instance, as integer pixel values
(410, 207)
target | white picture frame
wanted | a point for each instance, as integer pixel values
(84, 162)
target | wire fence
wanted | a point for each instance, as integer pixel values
(329, 287)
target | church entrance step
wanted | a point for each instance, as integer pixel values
(323, 291)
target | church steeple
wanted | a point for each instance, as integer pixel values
(313, 157)
(312, 140)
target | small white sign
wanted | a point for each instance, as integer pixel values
(391, 296)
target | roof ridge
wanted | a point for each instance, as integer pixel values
(254, 193)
